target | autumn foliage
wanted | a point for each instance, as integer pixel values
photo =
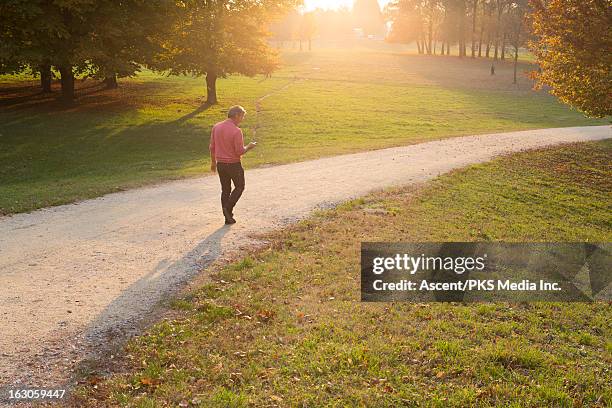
(573, 45)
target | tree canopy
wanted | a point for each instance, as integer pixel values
(368, 17)
(101, 38)
(106, 39)
(573, 46)
(220, 37)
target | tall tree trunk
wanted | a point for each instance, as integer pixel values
(482, 28)
(111, 81)
(67, 81)
(430, 28)
(515, 62)
(503, 47)
(517, 44)
(498, 28)
(462, 28)
(425, 44)
(444, 36)
(45, 78)
(448, 48)
(488, 31)
(474, 12)
(211, 88)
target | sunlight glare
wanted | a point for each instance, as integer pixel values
(333, 4)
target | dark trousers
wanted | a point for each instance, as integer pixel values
(228, 173)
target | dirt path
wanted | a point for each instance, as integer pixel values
(78, 276)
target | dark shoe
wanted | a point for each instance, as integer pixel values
(229, 217)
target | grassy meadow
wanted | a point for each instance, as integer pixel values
(285, 327)
(326, 102)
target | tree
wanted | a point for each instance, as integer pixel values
(286, 28)
(516, 29)
(368, 16)
(461, 16)
(216, 38)
(415, 20)
(489, 24)
(573, 46)
(101, 38)
(433, 15)
(334, 24)
(307, 29)
(406, 22)
(56, 38)
(124, 36)
(25, 30)
(499, 32)
(455, 26)
(474, 14)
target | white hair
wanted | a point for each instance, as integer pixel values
(235, 111)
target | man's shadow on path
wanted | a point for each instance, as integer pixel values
(147, 294)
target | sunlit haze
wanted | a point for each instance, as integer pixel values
(334, 4)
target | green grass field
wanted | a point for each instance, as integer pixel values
(323, 103)
(285, 327)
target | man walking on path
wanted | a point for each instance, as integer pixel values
(226, 149)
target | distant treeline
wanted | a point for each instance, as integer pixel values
(106, 39)
(489, 28)
(364, 19)
(483, 28)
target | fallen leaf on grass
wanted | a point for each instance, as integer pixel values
(388, 389)
(265, 315)
(94, 380)
(149, 382)
(235, 378)
(238, 312)
(375, 381)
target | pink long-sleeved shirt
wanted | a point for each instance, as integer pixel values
(226, 142)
